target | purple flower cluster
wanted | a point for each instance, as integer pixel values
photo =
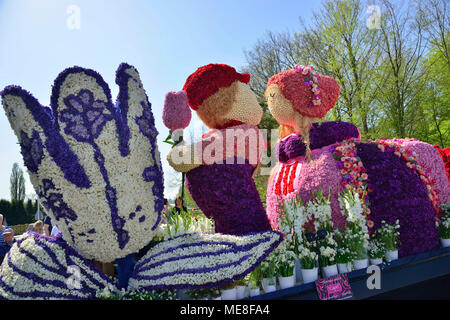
(123, 130)
(55, 144)
(321, 134)
(398, 193)
(54, 201)
(32, 150)
(85, 118)
(227, 193)
(153, 173)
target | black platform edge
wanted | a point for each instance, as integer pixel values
(404, 272)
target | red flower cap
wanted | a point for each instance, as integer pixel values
(207, 80)
(292, 85)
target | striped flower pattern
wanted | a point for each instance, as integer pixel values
(39, 267)
(202, 260)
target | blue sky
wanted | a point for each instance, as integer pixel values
(165, 40)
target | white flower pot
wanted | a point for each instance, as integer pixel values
(265, 283)
(298, 271)
(330, 271)
(270, 288)
(344, 267)
(445, 242)
(255, 292)
(228, 294)
(310, 275)
(391, 255)
(287, 282)
(376, 261)
(240, 292)
(360, 264)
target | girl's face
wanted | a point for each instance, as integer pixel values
(279, 106)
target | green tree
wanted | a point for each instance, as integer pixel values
(434, 16)
(17, 183)
(30, 209)
(435, 100)
(5, 209)
(18, 214)
(401, 72)
(270, 55)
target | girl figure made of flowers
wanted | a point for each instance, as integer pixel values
(219, 168)
(396, 179)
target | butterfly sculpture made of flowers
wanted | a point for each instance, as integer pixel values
(95, 166)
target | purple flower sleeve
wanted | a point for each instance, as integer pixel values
(321, 134)
(227, 193)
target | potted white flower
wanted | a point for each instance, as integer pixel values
(356, 234)
(253, 282)
(444, 226)
(344, 259)
(285, 267)
(228, 291)
(327, 248)
(344, 256)
(308, 260)
(292, 219)
(389, 236)
(199, 294)
(376, 251)
(268, 267)
(215, 294)
(241, 285)
(359, 246)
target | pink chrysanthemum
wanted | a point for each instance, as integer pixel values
(176, 112)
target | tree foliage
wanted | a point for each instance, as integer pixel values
(17, 184)
(393, 78)
(16, 212)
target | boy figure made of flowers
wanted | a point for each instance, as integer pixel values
(400, 179)
(219, 168)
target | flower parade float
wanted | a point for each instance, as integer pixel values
(343, 204)
(396, 179)
(95, 166)
(219, 168)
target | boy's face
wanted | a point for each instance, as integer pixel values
(245, 107)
